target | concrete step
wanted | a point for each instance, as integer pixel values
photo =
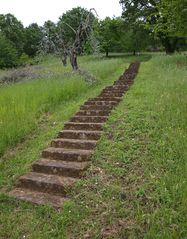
(103, 103)
(89, 119)
(37, 197)
(83, 126)
(61, 168)
(67, 154)
(80, 134)
(93, 112)
(46, 183)
(97, 107)
(73, 143)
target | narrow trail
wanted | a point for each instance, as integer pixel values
(68, 156)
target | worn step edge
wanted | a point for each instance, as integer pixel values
(80, 134)
(59, 167)
(83, 126)
(38, 198)
(73, 143)
(97, 107)
(46, 183)
(93, 113)
(88, 119)
(101, 103)
(79, 155)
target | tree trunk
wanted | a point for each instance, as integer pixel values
(134, 53)
(73, 60)
(107, 52)
(170, 44)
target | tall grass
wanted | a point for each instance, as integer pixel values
(23, 103)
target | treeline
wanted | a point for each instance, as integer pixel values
(140, 28)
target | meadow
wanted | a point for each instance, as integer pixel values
(24, 103)
(136, 186)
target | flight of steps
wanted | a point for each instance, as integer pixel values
(68, 156)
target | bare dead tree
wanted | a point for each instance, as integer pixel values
(71, 50)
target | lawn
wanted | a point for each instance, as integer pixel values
(136, 186)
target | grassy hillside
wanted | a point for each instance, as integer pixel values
(23, 104)
(136, 187)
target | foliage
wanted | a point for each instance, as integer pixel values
(111, 34)
(115, 35)
(13, 30)
(171, 19)
(33, 37)
(8, 54)
(160, 17)
(137, 39)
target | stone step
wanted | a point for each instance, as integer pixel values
(111, 91)
(103, 103)
(107, 97)
(79, 134)
(37, 197)
(46, 183)
(93, 112)
(73, 143)
(126, 81)
(63, 163)
(61, 168)
(89, 119)
(83, 126)
(67, 154)
(97, 107)
(121, 84)
(112, 96)
(117, 87)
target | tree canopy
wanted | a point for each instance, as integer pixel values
(13, 30)
(165, 18)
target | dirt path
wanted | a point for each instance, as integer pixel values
(66, 160)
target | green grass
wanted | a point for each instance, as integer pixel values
(136, 187)
(22, 104)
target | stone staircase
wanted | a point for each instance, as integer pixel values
(68, 156)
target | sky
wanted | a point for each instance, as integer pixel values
(39, 11)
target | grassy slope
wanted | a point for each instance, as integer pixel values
(22, 104)
(137, 185)
(135, 188)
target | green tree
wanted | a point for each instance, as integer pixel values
(137, 39)
(172, 18)
(33, 37)
(13, 30)
(116, 35)
(111, 34)
(156, 16)
(8, 54)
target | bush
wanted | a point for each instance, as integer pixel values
(8, 54)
